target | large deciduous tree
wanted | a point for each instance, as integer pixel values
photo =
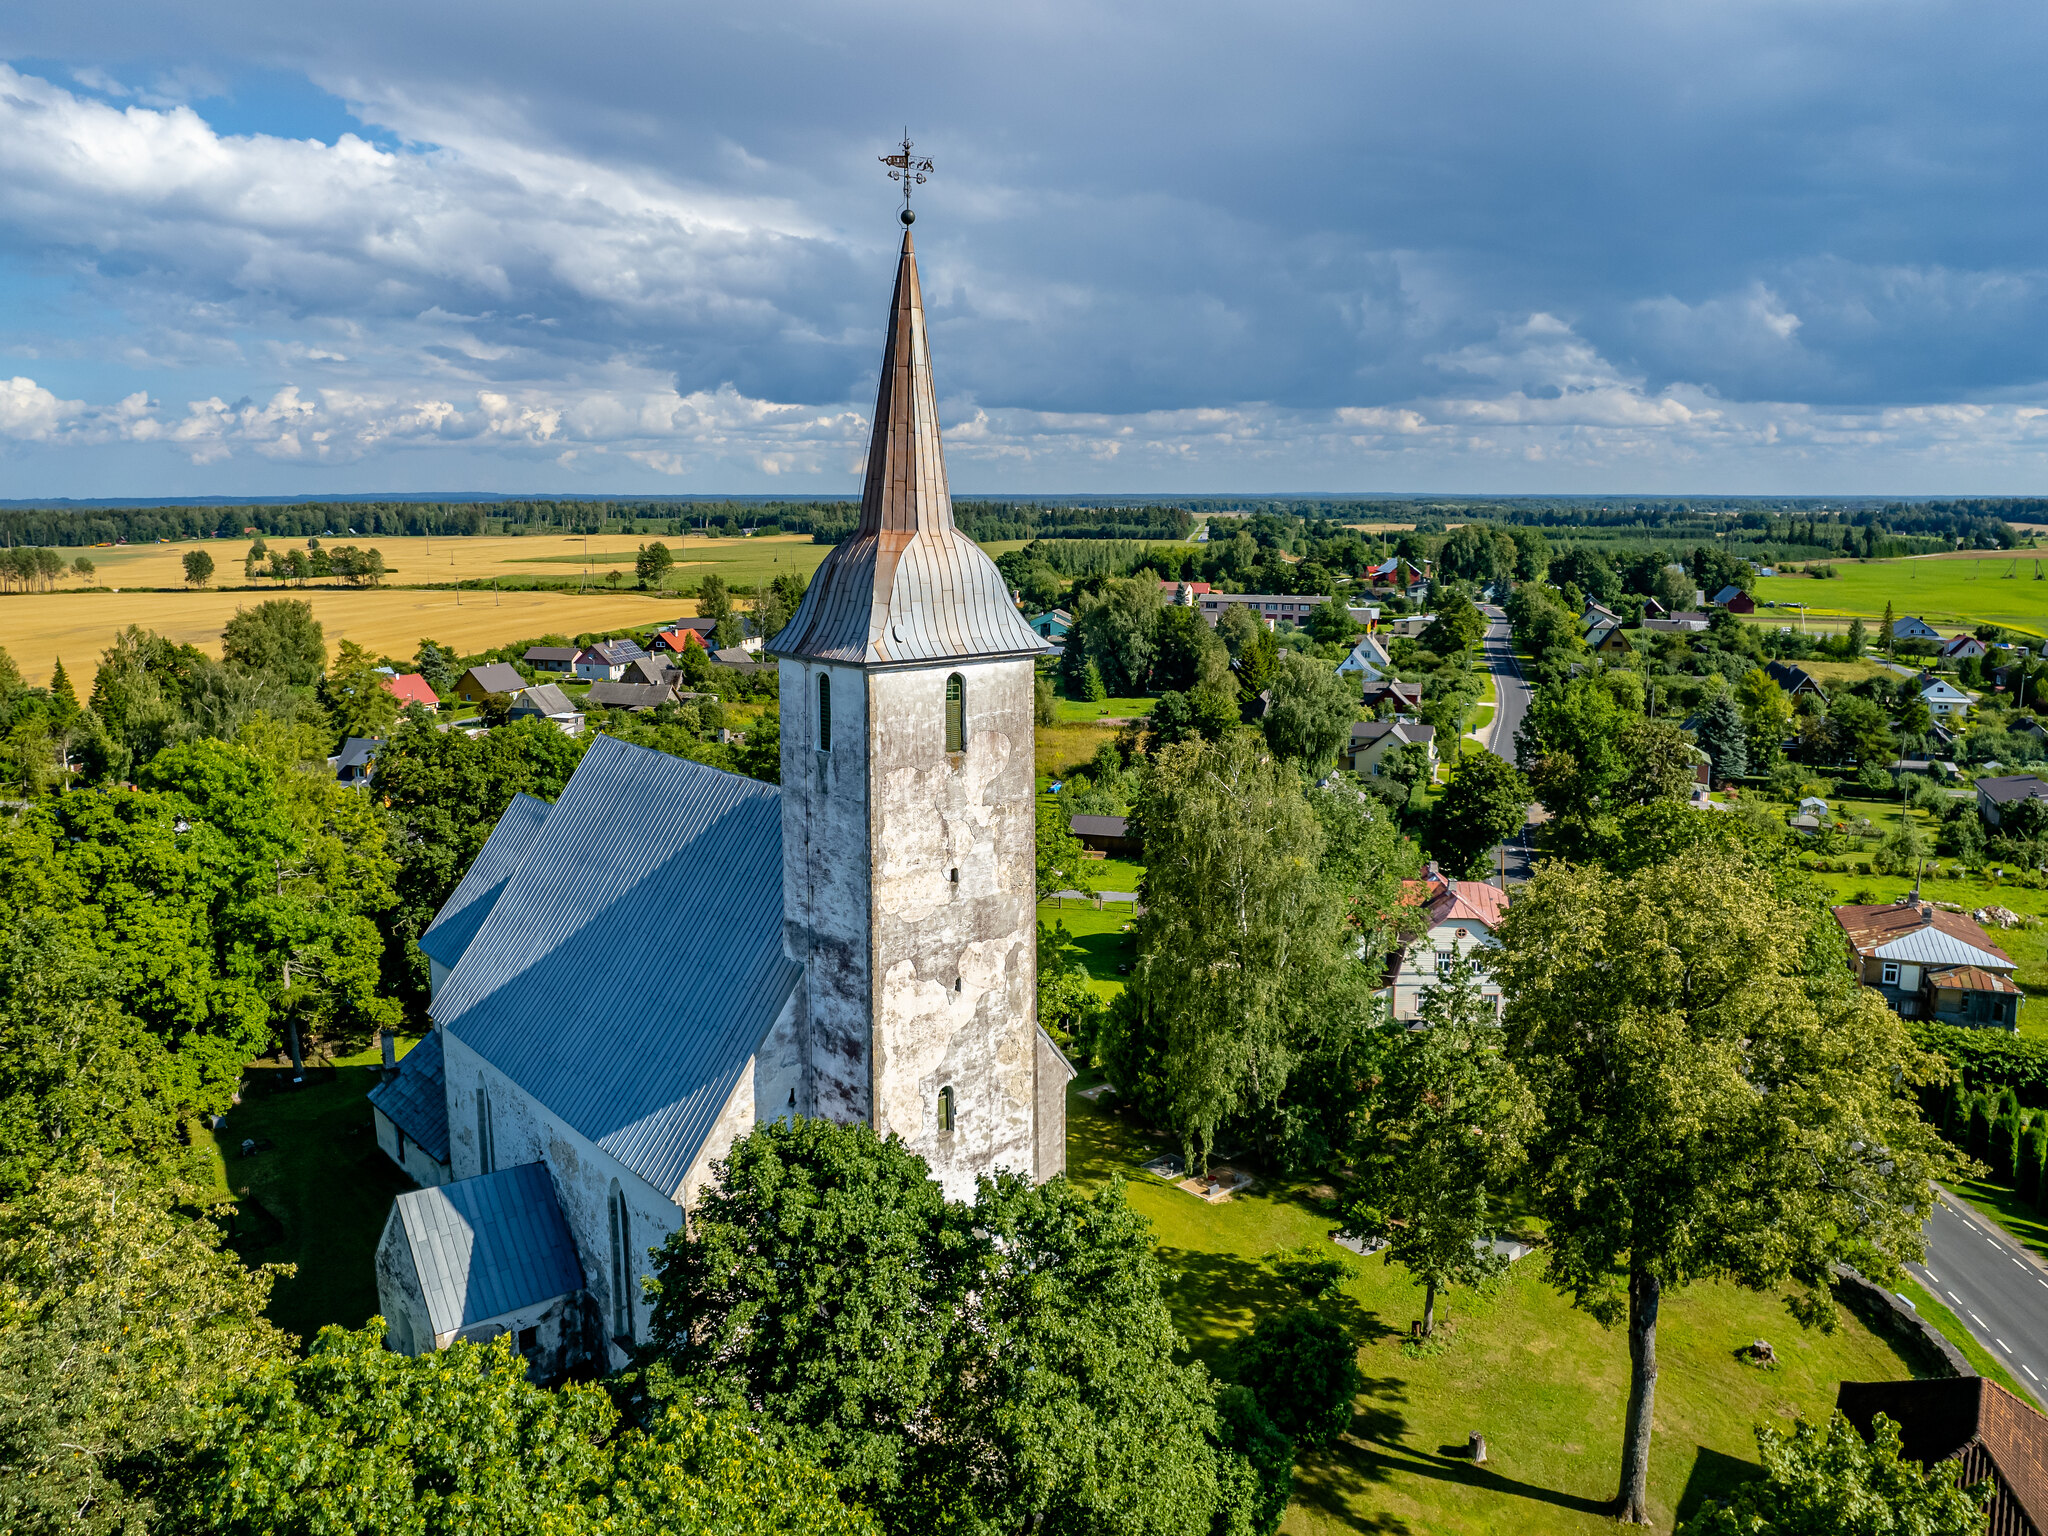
(1718, 1098)
(1441, 1140)
(1011, 1357)
(280, 636)
(1311, 713)
(1485, 803)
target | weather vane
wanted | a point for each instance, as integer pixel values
(909, 169)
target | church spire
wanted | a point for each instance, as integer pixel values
(906, 479)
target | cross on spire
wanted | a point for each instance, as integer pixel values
(910, 169)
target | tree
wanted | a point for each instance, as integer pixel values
(198, 567)
(1311, 713)
(437, 664)
(280, 636)
(1674, 589)
(1857, 639)
(1766, 714)
(1570, 744)
(1887, 639)
(120, 1316)
(83, 568)
(1245, 949)
(1011, 1357)
(1723, 738)
(1330, 623)
(333, 1442)
(653, 562)
(1303, 1368)
(356, 694)
(1859, 729)
(1187, 652)
(1458, 626)
(1115, 629)
(1443, 1135)
(1718, 1098)
(1828, 1482)
(778, 603)
(62, 694)
(1059, 853)
(1485, 803)
(1655, 765)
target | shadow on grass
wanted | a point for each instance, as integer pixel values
(1715, 1475)
(2003, 1205)
(1102, 953)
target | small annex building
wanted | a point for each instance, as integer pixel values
(553, 658)
(863, 942)
(1973, 1422)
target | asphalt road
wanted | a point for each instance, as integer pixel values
(1511, 693)
(1997, 1289)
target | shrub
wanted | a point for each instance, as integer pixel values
(1092, 687)
(1303, 1369)
(1980, 1128)
(2004, 1143)
(1955, 1120)
(2033, 1144)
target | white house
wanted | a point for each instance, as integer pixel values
(1462, 916)
(863, 946)
(1944, 700)
(1368, 659)
(607, 660)
(1372, 740)
(1960, 648)
(1910, 628)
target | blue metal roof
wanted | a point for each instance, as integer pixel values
(486, 1246)
(416, 1099)
(465, 910)
(633, 963)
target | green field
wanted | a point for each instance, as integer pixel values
(1955, 591)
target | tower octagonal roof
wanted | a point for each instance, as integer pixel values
(908, 587)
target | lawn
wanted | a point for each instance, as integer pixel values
(1079, 711)
(1959, 591)
(1060, 749)
(1099, 937)
(1544, 1383)
(318, 1196)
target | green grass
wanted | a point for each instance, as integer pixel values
(317, 1197)
(1060, 749)
(2002, 1204)
(1076, 711)
(1544, 1383)
(1944, 590)
(1099, 939)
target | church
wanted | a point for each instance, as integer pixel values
(630, 979)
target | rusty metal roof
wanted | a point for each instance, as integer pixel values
(908, 586)
(1919, 933)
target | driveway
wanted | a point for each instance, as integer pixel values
(1995, 1287)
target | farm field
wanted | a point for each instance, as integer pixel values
(37, 628)
(1951, 591)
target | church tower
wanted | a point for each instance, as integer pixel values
(908, 814)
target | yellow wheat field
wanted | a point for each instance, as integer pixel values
(37, 628)
(412, 561)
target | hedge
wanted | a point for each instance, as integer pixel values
(1991, 1059)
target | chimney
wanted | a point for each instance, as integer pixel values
(390, 1054)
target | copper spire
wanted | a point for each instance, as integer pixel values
(906, 479)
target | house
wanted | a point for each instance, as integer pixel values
(1269, 606)
(1793, 680)
(685, 632)
(552, 658)
(411, 688)
(356, 764)
(1054, 624)
(479, 683)
(2029, 726)
(1372, 740)
(1460, 919)
(634, 696)
(1408, 576)
(1608, 639)
(547, 702)
(1813, 805)
(1368, 659)
(1366, 618)
(1182, 594)
(1974, 1422)
(409, 1108)
(1931, 964)
(737, 660)
(1685, 622)
(1405, 697)
(1910, 628)
(1944, 700)
(1735, 600)
(653, 672)
(1995, 795)
(1596, 615)
(607, 660)
(1961, 648)
(1652, 609)
(1106, 834)
(862, 946)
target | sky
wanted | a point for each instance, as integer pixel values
(1733, 246)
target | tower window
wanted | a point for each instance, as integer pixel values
(956, 714)
(945, 1111)
(486, 1142)
(824, 714)
(622, 1267)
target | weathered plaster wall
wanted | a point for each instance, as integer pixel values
(733, 1122)
(825, 886)
(405, 1152)
(526, 1131)
(1050, 1127)
(408, 1329)
(954, 936)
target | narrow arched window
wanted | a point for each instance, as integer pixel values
(956, 714)
(622, 1266)
(824, 713)
(945, 1111)
(486, 1147)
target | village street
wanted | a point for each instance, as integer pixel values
(1995, 1288)
(1511, 694)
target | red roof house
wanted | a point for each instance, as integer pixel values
(411, 688)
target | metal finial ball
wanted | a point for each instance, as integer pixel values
(908, 216)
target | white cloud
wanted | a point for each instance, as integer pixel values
(30, 412)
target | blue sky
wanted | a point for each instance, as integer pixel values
(1746, 247)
